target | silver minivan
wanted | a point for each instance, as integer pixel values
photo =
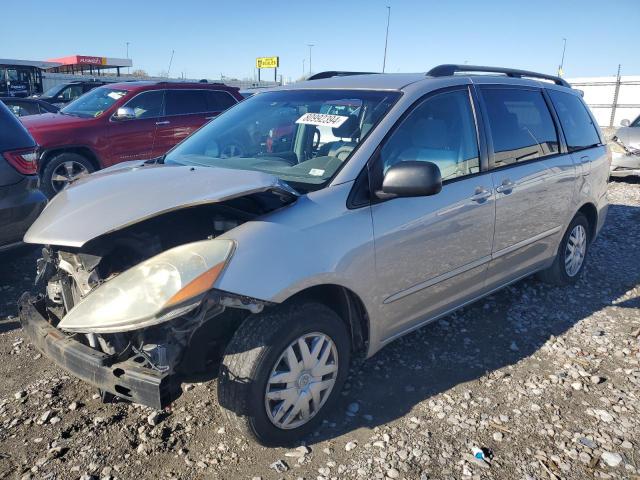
(310, 224)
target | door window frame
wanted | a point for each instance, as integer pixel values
(371, 176)
(126, 102)
(562, 144)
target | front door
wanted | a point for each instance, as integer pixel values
(185, 111)
(432, 252)
(534, 180)
(133, 139)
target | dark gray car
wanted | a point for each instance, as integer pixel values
(20, 200)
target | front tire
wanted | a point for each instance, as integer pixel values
(572, 253)
(61, 170)
(282, 370)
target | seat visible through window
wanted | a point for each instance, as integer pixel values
(439, 130)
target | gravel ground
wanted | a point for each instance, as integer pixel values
(545, 380)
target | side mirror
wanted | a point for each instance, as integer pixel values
(625, 122)
(411, 179)
(125, 113)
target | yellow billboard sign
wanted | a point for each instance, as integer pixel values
(267, 62)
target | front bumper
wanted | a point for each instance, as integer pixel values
(128, 379)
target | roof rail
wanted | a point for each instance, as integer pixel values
(451, 69)
(336, 73)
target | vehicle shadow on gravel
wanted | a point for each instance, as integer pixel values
(17, 272)
(485, 338)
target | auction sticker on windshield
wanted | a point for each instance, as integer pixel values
(322, 119)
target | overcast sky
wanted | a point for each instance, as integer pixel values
(221, 37)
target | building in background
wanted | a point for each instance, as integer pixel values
(611, 99)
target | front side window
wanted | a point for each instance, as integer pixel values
(287, 134)
(147, 104)
(521, 125)
(94, 103)
(184, 102)
(576, 122)
(440, 130)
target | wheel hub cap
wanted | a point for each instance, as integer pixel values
(575, 250)
(301, 380)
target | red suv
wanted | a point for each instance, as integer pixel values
(120, 122)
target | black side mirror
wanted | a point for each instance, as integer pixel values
(411, 179)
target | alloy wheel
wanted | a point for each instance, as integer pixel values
(301, 381)
(67, 172)
(575, 250)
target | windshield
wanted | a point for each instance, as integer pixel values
(94, 103)
(301, 136)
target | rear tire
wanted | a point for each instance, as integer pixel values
(567, 268)
(259, 351)
(69, 165)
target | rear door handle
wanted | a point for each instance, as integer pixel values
(481, 195)
(164, 122)
(506, 187)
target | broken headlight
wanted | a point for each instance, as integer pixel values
(154, 291)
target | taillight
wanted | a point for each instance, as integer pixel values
(24, 161)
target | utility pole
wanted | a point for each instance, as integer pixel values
(128, 68)
(561, 66)
(310, 45)
(386, 39)
(303, 61)
(170, 62)
(616, 92)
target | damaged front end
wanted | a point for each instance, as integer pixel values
(135, 310)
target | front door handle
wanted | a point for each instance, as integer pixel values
(481, 195)
(164, 122)
(506, 187)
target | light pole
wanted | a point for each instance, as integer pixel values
(386, 39)
(303, 62)
(128, 68)
(310, 45)
(560, 68)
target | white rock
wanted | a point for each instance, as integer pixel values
(611, 459)
(350, 446)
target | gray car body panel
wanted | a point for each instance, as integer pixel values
(122, 196)
(409, 260)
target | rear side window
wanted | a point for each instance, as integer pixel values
(521, 125)
(576, 122)
(182, 102)
(219, 101)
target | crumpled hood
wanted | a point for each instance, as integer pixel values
(629, 136)
(120, 196)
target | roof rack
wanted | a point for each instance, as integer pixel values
(451, 69)
(336, 73)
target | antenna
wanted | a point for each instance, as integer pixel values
(170, 62)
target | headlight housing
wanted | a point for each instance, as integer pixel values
(152, 292)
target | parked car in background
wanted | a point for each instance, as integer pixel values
(20, 200)
(64, 93)
(23, 107)
(272, 270)
(625, 146)
(119, 122)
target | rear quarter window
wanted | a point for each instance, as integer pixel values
(577, 125)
